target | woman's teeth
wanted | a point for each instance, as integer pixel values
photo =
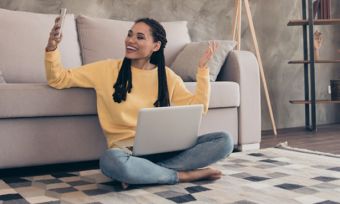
(131, 48)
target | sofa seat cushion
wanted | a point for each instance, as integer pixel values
(224, 94)
(40, 100)
(28, 100)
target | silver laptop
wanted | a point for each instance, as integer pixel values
(167, 129)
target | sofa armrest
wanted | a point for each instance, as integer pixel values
(242, 67)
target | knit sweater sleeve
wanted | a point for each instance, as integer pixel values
(85, 76)
(182, 96)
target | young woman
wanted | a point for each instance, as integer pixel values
(141, 80)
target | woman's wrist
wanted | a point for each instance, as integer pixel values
(203, 67)
(50, 48)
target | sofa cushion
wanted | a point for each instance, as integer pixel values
(37, 99)
(223, 93)
(23, 40)
(186, 62)
(112, 34)
(2, 79)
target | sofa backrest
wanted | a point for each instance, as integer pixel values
(104, 38)
(24, 36)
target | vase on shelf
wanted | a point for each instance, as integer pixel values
(335, 90)
(317, 44)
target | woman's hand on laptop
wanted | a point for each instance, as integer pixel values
(208, 54)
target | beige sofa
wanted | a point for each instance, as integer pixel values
(41, 125)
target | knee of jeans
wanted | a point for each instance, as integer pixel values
(112, 163)
(227, 144)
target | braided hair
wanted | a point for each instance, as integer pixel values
(123, 84)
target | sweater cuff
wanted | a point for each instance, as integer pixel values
(52, 56)
(203, 72)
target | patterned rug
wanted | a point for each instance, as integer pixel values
(270, 175)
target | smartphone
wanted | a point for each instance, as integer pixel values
(62, 18)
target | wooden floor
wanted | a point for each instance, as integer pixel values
(325, 139)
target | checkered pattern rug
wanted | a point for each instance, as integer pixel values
(264, 176)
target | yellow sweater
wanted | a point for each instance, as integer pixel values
(118, 120)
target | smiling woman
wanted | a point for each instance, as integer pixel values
(142, 80)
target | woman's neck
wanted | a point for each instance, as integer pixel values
(142, 64)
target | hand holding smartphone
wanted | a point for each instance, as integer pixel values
(62, 18)
(55, 34)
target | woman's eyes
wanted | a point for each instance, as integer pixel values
(138, 37)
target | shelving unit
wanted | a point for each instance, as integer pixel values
(309, 62)
(315, 62)
(316, 22)
(323, 101)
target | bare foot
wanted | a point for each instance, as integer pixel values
(199, 174)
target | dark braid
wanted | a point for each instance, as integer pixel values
(124, 80)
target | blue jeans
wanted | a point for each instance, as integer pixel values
(162, 168)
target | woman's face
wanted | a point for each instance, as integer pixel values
(139, 42)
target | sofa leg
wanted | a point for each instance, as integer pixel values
(248, 147)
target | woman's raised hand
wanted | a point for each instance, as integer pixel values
(55, 36)
(208, 54)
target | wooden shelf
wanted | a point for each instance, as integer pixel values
(334, 21)
(316, 61)
(322, 101)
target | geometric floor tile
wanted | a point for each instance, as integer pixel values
(256, 178)
(41, 199)
(289, 186)
(327, 202)
(196, 189)
(335, 168)
(256, 154)
(17, 182)
(183, 198)
(325, 178)
(261, 176)
(169, 194)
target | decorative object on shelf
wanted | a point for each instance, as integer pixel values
(325, 9)
(322, 9)
(316, 8)
(335, 90)
(237, 28)
(317, 44)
